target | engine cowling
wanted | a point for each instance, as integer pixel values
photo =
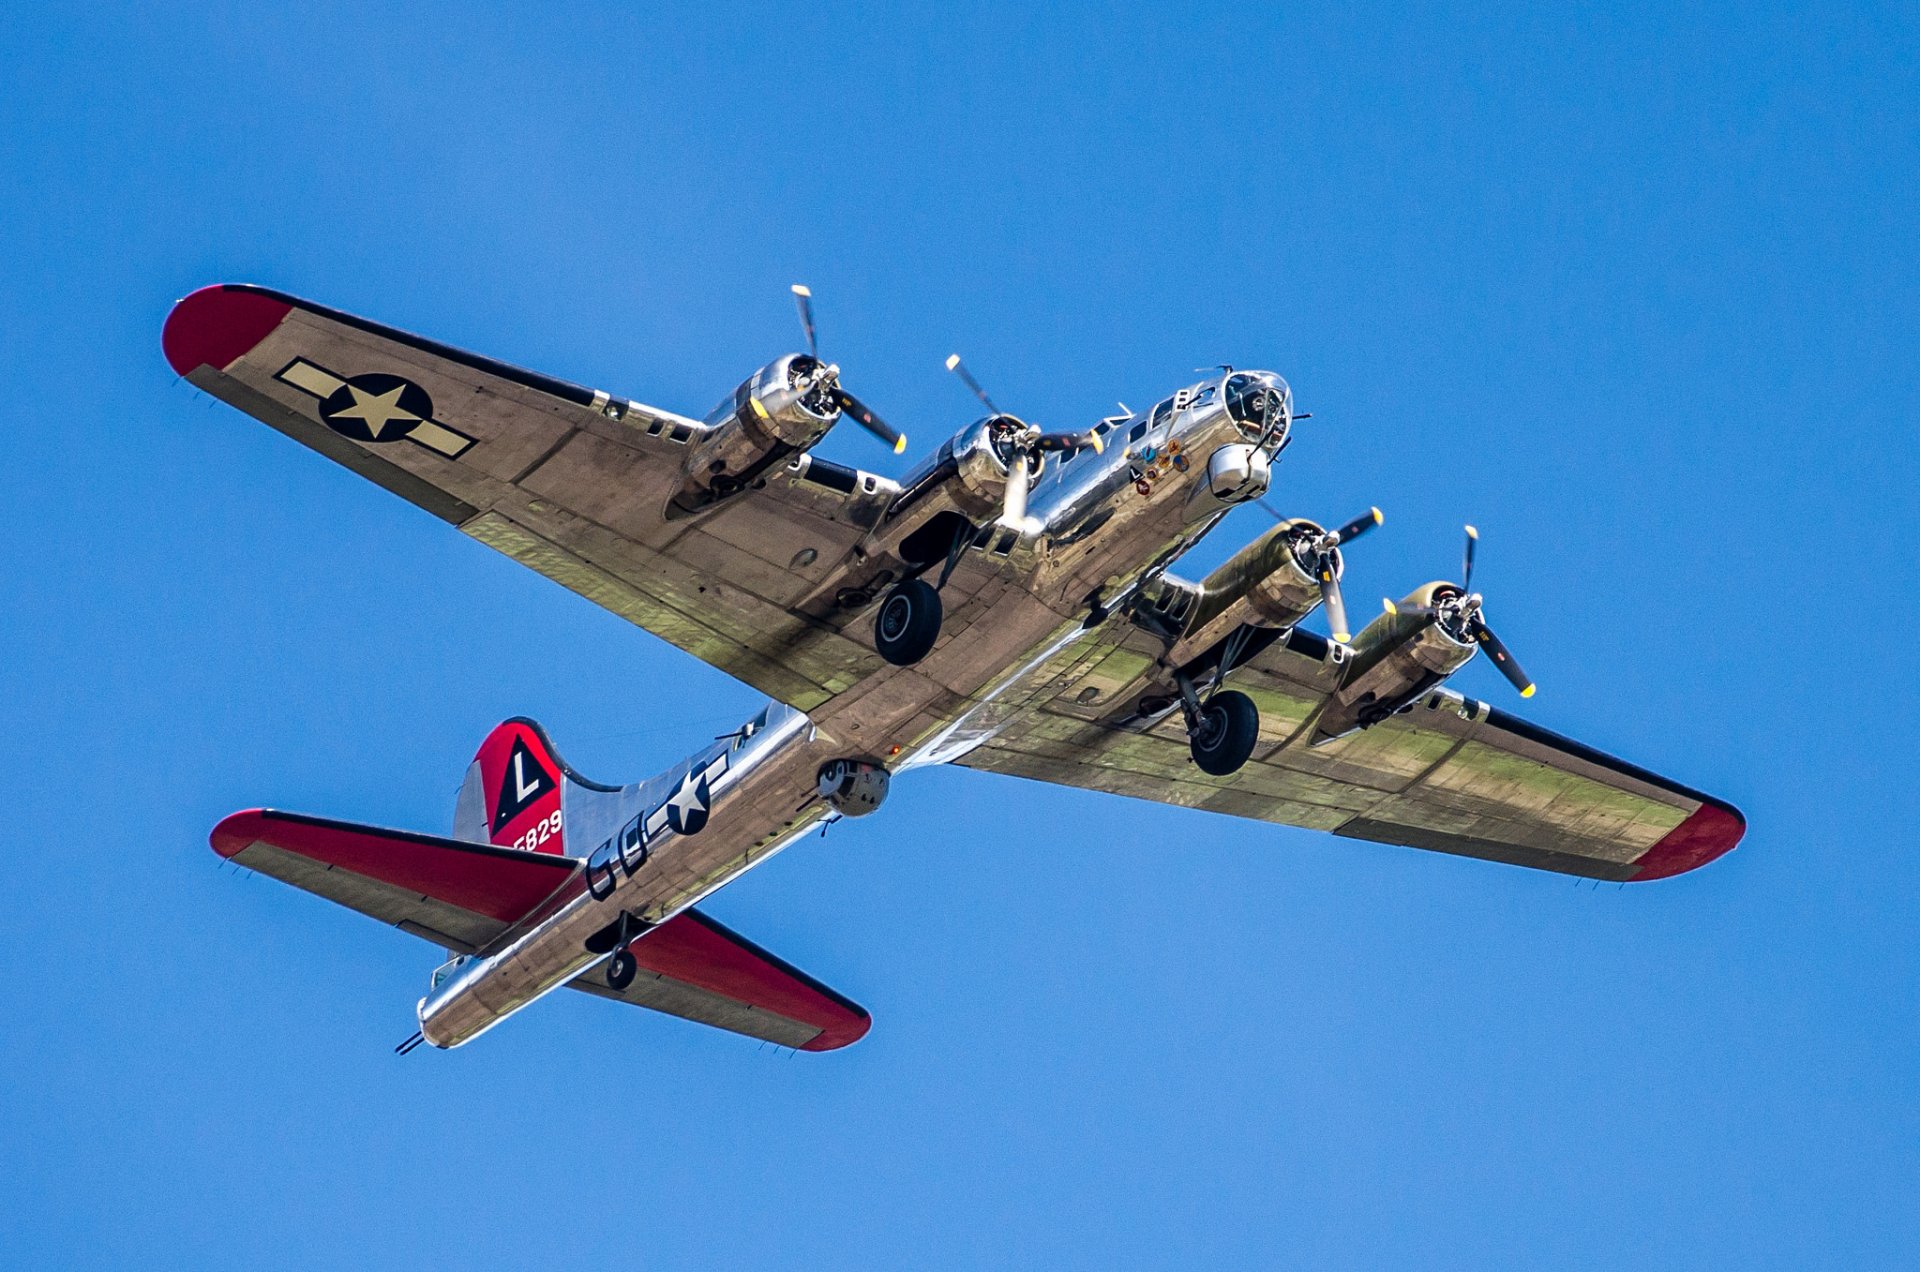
(1269, 583)
(1396, 659)
(970, 471)
(784, 408)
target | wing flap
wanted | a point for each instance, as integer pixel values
(700, 970)
(458, 894)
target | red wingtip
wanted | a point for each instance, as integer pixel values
(236, 831)
(1710, 832)
(218, 324)
(836, 1036)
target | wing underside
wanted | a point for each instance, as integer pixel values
(1449, 774)
(466, 896)
(572, 482)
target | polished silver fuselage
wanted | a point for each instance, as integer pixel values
(1100, 526)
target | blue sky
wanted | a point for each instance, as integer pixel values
(1632, 289)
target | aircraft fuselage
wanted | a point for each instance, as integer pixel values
(1099, 525)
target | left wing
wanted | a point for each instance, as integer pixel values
(1451, 774)
(568, 480)
(466, 896)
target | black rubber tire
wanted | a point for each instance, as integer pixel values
(908, 623)
(621, 969)
(1229, 727)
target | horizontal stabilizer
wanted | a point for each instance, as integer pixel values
(695, 968)
(463, 896)
(460, 895)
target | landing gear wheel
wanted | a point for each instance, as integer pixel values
(621, 969)
(908, 623)
(1223, 738)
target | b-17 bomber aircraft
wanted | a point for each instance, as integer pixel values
(1009, 605)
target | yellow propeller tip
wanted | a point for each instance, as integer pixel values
(798, 290)
(758, 409)
(1390, 607)
(1472, 533)
(1343, 637)
(1099, 447)
(953, 360)
(1528, 691)
(900, 444)
(1378, 517)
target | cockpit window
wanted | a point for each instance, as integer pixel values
(1137, 432)
(1255, 405)
(1261, 406)
(1161, 412)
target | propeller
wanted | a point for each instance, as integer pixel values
(1462, 614)
(826, 377)
(1326, 566)
(1315, 553)
(1019, 443)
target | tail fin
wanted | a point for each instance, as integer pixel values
(511, 795)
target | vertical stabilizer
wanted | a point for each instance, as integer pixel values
(511, 795)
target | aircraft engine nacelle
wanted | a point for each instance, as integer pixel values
(1268, 583)
(1399, 657)
(784, 408)
(976, 463)
(983, 459)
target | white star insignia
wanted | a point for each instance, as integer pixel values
(686, 800)
(377, 409)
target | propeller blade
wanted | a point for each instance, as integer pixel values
(1359, 525)
(804, 298)
(1502, 658)
(1466, 570)
(864, 416)
(1013, 512)
(1331, 598)
(959, 368)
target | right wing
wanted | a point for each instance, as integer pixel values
(570, 481)
(464, 896)
(1449, 774)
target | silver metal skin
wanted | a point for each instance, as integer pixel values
(1110, 520)
(783, 408)
(644, 868)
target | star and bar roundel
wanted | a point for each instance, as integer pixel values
(375, 407)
